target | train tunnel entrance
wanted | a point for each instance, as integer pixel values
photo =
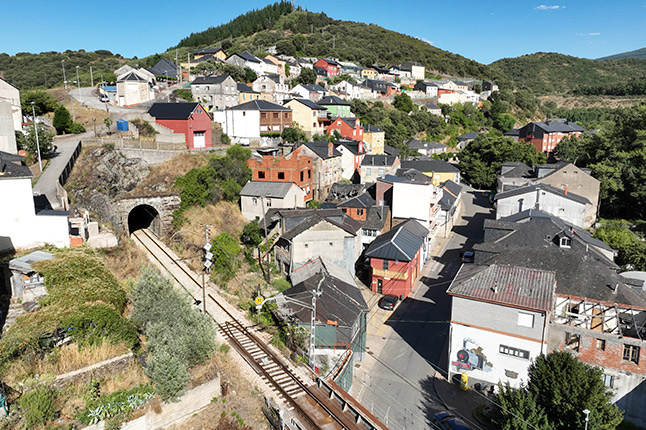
(144, 216)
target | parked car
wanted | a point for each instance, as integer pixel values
(104, 98)
(388, 302)
(467, 257)
(447, 421)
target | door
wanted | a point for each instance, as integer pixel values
(122, 100)
(199, 139)
(380, 286)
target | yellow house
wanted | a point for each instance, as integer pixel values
(369, 73)
(438, 171)
(375, 138)
(217, 53)
(309, 116)
(246, 94)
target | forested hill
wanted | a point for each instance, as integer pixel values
(638, 53)
(548, 73)
(308, 34)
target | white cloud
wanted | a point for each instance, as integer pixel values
(588, 34)
(545, 7)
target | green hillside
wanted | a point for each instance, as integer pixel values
(308, 34)
(550, 73)
(45, 70)
(638, 53)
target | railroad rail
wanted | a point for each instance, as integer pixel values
(265, 362)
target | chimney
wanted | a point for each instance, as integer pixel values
(330, 149)
(495, 288)
(565, 191)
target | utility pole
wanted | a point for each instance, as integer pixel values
(78, 82)
(264, 218)
(91, 77)
(208, 256)
(40, 162)
(64, 80)
(315, 294)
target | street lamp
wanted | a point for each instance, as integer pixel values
(64, 80)
(40, 162)
(94, 121)
(587, 417)
(78, 82)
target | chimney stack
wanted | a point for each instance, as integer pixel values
(330, 149)
(565, 191)
(495, 288)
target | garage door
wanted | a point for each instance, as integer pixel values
(199, 139)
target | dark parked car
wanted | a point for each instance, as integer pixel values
(388, 302)
(447, 421)
(467, 257)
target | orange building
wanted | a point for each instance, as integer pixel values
(296, 168)
(349, 128)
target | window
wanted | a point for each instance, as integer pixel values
(276, 115)
(565, 242)
(309, 174)
(359, 211)
(331, 244)
(514, 352)
(268, 202)
(261, 174)
(385, 264)
(631, 353)
(254, 201)
(525, 320)
(198, 110)
(601, 344)
(572, 341)
(608, 380)
(281, 175)
(307, 245)
(302, 176)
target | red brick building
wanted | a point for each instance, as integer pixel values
(330, 66)
(357, 207)
(546, 135)
(396, 258)
(189, 119)
(349, 128)
(295, 167)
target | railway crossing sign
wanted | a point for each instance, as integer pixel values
(260, 300)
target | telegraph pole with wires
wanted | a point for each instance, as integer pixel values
(315, 294)
(208, 257)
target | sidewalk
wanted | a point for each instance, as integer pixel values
(455, 399)
(46, 184)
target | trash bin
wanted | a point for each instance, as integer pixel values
(122, 125)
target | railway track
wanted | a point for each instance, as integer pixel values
(269, 365)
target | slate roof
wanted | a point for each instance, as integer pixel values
(207, 51)
(244, 88)
(469, 136)
(172, 110)
(310, 104)
(401, 243)
(512, 132)
(418, 144)
(581, 271)
(429, 165)
(350, 145)
(447, 201)
(371, 129)
(313, 88)
(452, 187)
(361, 201)
(164, 67)
(269, 189)
(248, 57)
(544, 187)
(432, 106)
(340, 191)
(204, 58)
(333, 100)
(378, 160)
(506, 285)
(347, 224)
(552, 126)
(132, 76)
(413, 175)
(11, 166)
(318, 265)
(23, 264)
(260, 105)
(340, 301)
(518, 170)
(210, 80)
(376, 218)
(320, 148)
(391, 150)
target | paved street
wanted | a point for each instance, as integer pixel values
(89, 96)
(396, 382)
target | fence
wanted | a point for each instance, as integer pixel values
(125, 143)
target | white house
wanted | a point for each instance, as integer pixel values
(21, 227)
(133, 89)
(10, 117)
(417, 200)
(565, 205)
(257, 197)
(245, 59)
(312, 92)
(348, 90)
(246, 122)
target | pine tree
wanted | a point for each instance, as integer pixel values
(62, 119)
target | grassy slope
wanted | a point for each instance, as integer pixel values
(637, 53)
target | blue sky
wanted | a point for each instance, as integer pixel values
(483, 30)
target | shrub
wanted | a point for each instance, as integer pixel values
(76, 128)
(225, 263)
(38, 406)
(93, 324)
(62, 119)
(169, 373)
(119, 403)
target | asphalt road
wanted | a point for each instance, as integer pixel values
(89, 96)
(399, 387)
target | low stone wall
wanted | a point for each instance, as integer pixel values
(151, 156)
(172, 413)
(97, 370)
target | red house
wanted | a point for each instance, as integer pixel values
(397, 257)
(331, 66)
(546, 135)
(189, 119)
(295, 167)
(349, 128)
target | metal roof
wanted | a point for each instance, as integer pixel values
(172, 110)
(23, 264)
(506, 285)
(452, 187)
(401, 243)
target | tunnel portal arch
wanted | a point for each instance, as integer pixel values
(144, 216)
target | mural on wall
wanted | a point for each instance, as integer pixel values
(471, 357)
